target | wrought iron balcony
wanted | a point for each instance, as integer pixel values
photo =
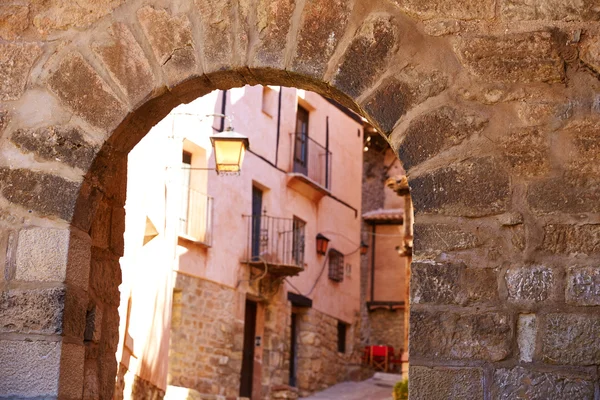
(195, 220)
(312, 166)
(275, 243)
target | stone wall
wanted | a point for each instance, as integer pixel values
(320, 365)
(387, 328)
(207, 337)
(491, 105)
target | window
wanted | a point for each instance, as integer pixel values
(269, 101)
(298, 241)
(186, 177)
(341, 330)
(336, 265)
(195, 212)
(301, 142)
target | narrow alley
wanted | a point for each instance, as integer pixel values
(377, 388)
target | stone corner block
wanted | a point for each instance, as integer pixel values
(29, 368)
(53, 255)
(71, 365)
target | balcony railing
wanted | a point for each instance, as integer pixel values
(312, 160)
(277, 242)
(196, 217)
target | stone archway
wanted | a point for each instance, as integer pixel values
(490, 105)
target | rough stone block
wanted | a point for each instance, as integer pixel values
(521, 383)
(37, 311)
(71, 366)
(54, 143)
(4, 120)
(461, 9)
(571, 194)
(526, 334)
(49, 16)
(473, 188)
(571, 239)
(29, 369)
(79, 87)
(527, 152)
(444, 335)
(571, 339)
(530, 284)
(53, 255)
(30, 189)
(522, 57)
(322, 26)
(451, 283)
(117, 241)
(105, 276)
(273, 24)
(42, 255)
(14, 19)
(590, 52)
(367, 57)
(430, 134)
(398, 95)
(126, 63)
(445, 383)
(583, 286)
(437, 238)
(16, 61)
(172, 42)
(549, 10)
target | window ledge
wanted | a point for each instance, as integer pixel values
(306, 186)
(191, 239)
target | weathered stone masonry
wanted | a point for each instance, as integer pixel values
(506, 190)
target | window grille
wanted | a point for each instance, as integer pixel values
(336, 265)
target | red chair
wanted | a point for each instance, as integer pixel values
(397, 360)
(379, 357)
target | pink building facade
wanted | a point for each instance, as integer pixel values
(223, 290)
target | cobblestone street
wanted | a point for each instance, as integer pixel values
(377, 388)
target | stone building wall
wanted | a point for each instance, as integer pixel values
(373, 185)
(320, 365)
(387, 328)
(207, 337)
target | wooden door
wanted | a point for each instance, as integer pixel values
(248, 353)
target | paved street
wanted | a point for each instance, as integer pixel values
(377, 388)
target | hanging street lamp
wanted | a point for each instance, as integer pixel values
(230, 148)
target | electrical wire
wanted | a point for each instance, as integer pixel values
(266, 271)
(320, 273)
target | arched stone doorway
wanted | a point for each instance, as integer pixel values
(491, 107)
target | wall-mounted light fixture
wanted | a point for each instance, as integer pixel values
(322, 243)
(364, 248)
(230, 148)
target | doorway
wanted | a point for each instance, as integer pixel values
(248, 352)
(294, 350)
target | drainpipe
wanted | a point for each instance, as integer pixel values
(373, 263)
(327, 153)
(278, 125)
(223, 107)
